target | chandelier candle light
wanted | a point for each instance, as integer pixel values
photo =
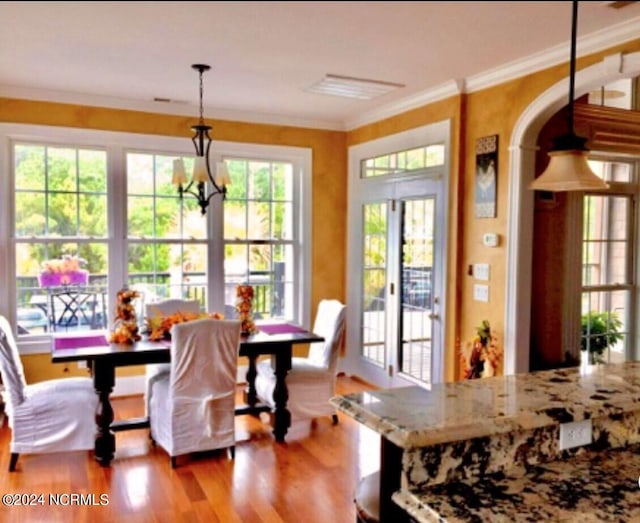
(201, 168)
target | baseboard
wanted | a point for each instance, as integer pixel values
(133, 385)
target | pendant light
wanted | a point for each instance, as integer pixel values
(201, 168)
(568, 169)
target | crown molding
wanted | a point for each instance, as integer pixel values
(450, 88)
(172, 108)
(592, 43)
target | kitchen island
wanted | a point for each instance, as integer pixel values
(485, 450)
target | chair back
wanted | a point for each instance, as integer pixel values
(204, 362)
(11, 366)
(330, 324)
(171, 306)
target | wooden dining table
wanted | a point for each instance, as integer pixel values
(103, 358)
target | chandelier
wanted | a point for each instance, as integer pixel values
(197, 186)
(568, 168)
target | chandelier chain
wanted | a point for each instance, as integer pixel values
(201, 94)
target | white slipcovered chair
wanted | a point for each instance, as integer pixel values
(311, 380)
(192, 407)
(50, 416)
(163, 308)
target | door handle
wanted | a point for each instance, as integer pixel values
(434, 316)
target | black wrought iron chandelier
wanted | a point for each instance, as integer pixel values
(568, 168)
(202, 174)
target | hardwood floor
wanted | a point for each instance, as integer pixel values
(309, 478)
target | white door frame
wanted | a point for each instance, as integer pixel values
(425, 135)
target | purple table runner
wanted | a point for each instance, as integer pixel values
(280, 328)
(79, 342)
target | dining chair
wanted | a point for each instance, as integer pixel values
(57, 415)
(311, 381)
(163, 308)
(192, 408)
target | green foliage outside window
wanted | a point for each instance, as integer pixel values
(600, 330)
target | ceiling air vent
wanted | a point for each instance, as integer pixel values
(350, 87)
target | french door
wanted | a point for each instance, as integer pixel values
(396, 325)
(398, 188)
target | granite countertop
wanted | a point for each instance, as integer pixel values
(413, 417)
(591, 487)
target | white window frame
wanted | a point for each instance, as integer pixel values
(117, 145)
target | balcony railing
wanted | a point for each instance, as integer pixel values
(44, 309)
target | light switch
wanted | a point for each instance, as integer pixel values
(481, 271)
(481, 292)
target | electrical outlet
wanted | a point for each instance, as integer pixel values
(575, 434)
(82, 364)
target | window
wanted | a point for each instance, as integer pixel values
(607, 271)
(168, 247)
(260, 235)
(404, 161)
(61, 250)
(110, 213)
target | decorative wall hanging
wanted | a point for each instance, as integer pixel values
(486, 176)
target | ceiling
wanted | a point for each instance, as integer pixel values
(265, 54)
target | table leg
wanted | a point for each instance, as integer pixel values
(103, 382)
(282, 416)
(251, 396)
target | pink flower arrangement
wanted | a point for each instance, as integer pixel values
(64, 271)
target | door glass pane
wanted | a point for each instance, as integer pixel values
(374, 282)
(416, 298)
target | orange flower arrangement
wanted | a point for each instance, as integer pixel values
(126, 324)
(244, 308)
(159, 326)
(482, 356)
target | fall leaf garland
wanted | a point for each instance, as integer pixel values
(159, 326)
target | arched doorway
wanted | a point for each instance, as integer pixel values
(520, 214)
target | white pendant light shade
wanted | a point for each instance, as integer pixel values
(200, 170)
(222, 174)
(179, 174)
(568, 171)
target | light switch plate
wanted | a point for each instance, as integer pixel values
(481, 292)
(481, 271)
